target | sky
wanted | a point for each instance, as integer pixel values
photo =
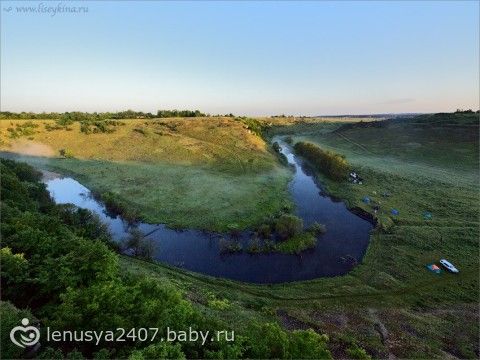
(246, 58)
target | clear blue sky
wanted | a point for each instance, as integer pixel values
(254, 58)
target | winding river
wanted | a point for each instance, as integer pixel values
(336, 252)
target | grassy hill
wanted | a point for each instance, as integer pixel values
(164, 170)
(442, 146)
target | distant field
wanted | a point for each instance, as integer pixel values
(166, 169)
(445, 149)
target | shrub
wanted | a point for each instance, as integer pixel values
(276, 147)
(307, 344)
(332, 165)
(253, 125)
(141, 247)
(161, 350)
(257, 245)
(234, 230)
(14, 268)
(218, 304)
(11, 317)
(288, 226)
(140, 131)
(264, 231)
(25, 129)
(67, 154)
(254, 246)
(356, 352)
(297, 243)
(317, 228)
(229, 246)
(116, 207)
(268, 341)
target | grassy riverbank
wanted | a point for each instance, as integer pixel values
(389, 304)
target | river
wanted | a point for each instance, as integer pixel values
(336, 252)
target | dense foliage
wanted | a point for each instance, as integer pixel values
(254, 125)
(332, 165)
(288, 226)
(18, 130)
(83, 116)
(57, 261)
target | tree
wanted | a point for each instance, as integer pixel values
(163, 350)
(307, 344)
(11, 317)
(288, 226)
(141, 246)
(267, 341)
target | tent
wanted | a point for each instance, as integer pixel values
(427, 215)
(366, 200)
(395, 212)
(434, 268)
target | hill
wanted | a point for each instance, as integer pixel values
(162, 169)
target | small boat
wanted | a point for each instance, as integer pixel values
(449, 266)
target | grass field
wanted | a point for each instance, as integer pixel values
(390, 305)
(165, 169)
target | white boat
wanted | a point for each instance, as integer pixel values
(449, 266)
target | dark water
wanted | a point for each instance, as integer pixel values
(347, 236)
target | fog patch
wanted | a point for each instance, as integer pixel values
(33, 148)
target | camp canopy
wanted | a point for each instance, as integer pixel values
(427, 215)
(434, 268)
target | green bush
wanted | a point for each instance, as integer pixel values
(163, 350)
(229, 246)
(356, 352)
(317, 228)
(25, 129)
(264, 231)
(67, 154)
(117, 207)
(297, 243)
(11, 317)
(253, 125)
(307, 344)
(288, 226)
(270, 341)
(141, 247)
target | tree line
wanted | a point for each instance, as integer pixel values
(333, 165)
(82, 116)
